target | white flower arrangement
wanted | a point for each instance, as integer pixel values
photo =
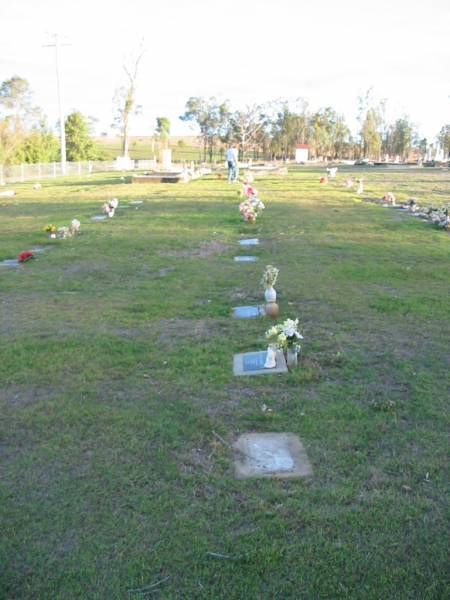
(285, 336)
(109, 208)
(270, 276)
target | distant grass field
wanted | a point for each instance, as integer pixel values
(115, 365)
(141, 148)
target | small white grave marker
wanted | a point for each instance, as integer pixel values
(246, 259)
(248, 312)
(249, 242)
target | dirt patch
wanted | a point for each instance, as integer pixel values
(205, 250)
(169, 330)
(20, 396)
(85, 268)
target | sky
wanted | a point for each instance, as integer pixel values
(246, 51)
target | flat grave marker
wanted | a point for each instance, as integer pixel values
(99, 218)
(248, 312)
(9, 262)
(249, 242)
(245, 259)
(252, 363)
(270, 455)
(134, 202)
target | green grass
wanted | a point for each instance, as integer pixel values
(115, 365)
(141, 148)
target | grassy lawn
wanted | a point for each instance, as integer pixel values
(115, 369)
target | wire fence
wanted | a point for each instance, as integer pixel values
(38, 171)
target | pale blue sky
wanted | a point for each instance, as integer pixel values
(247, 51)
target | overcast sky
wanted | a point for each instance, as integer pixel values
(243, 50)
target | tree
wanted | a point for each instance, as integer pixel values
(211, 118)
(16, 101)
(40, 146)
(402, 133)
(371, 118)
(444, 139)
(163, 130)
(125, 102)
(245, 126)
(78, 143)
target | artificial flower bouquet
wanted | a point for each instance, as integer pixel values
(109, 208)
(25, 256)
(285, 336)
(269, 277)
(51, 230)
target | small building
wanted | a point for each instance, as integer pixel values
(301, 153)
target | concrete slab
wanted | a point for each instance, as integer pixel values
(99, 218)
(245, 259)
(252, 363)
(248, 312)
(270, 455)
(249, 242)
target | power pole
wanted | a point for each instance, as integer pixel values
(57, 45)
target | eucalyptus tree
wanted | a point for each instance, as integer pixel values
(211, 117)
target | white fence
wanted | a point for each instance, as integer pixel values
(37, 171)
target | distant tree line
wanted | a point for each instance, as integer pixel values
(273, 130)
(269, 130)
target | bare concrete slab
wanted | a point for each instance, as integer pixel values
(270, 455)
(99, 218)
(249, 242)
(252, 363)
(246, 259)
(134, 202)
(248, 312)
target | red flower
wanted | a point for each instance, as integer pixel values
(24, 256)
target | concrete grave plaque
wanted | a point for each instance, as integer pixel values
(9, 262)
(249, 242)
(252, 363)
(134, 202)
(245, 259)
(248, 312)
(99, 218)
(40, 249)
(270, 455)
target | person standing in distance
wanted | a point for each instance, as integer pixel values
(232, 163)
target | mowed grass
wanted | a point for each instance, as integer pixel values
(117, 386)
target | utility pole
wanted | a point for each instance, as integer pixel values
(57, 45)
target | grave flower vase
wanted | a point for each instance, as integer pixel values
(270, 294)
(291, 358)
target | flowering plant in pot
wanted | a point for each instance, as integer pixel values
(285, 336)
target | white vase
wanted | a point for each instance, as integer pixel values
(270, 294)
(291, 358)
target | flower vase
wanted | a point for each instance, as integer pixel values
(52, 236)
(291, 358)
(270, 294)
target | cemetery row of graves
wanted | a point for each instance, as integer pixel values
(225, 391)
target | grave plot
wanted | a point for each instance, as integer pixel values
(99, 218)
(270, 455)
(252, 363)
(245, 259)
(248, 312)
(249, 242)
